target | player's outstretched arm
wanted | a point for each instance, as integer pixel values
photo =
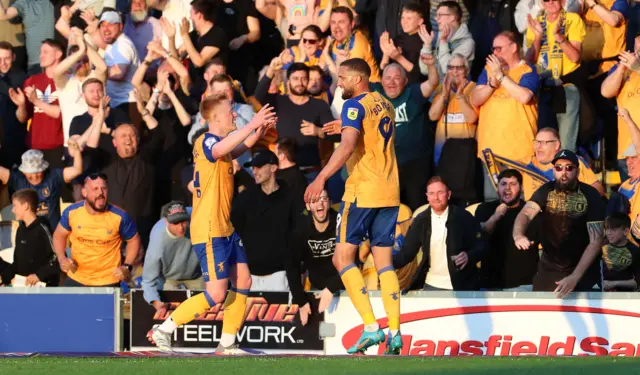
(339, 157)
(230, 143)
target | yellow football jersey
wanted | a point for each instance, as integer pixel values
(213, 184)
(602, 40)
(374, 179)
(627, 98)
(506, 126)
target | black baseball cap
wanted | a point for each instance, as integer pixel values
(175, 212)
(262, 158)
(566, 155)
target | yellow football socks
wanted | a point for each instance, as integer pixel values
(192, 308)
(390, 291)
(234, 310)
(354, 284)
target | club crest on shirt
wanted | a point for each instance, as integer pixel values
(109, 232)
(45, 192)
(352, 113)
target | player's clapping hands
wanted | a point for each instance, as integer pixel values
(266, 117)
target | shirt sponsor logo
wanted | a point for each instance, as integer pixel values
(352, 113)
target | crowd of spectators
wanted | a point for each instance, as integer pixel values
(508, 115)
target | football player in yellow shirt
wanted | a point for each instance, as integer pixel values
(371, 200)
(218, 246)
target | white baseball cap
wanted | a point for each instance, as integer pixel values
(111, 17)
(630, 152)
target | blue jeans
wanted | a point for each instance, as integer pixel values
(567, 123)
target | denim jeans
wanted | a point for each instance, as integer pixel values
(567, 123)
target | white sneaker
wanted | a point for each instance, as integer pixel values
(232, 350)
(160, 339)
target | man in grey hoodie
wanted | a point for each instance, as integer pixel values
(170, 263)
(453, 38)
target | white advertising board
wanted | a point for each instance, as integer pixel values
(501, 324)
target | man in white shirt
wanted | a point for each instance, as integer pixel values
(173, 11)
(451, 241)
(71, 73)
(122, 61)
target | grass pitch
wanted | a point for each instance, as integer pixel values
(322, 365)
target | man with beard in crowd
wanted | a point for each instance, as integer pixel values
(300, 117)
(572, 215)
(141, 28)
(311, 247)
(317, 86)
(505, 266)
(96, 230)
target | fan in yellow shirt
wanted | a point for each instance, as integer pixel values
(351, 44)
(606, 27)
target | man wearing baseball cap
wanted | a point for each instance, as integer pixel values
(122, 61)
(572, 227)
(34, 173)
(169, 260)
(264, 216)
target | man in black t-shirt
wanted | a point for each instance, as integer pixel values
(620, 258)
(505, 266)
(405, 48)
(240, 20)
(572, 229)
(203, 43)
(311, 247)
(300, 117)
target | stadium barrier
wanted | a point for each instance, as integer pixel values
(433, 323)
(60, 320)
(501, 324)
(272, 325)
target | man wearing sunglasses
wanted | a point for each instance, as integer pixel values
(546, 146)
(572, 215)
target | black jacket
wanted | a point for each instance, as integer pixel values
(33, 254)
(463, 234)
(264, 223)
(132, 181)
